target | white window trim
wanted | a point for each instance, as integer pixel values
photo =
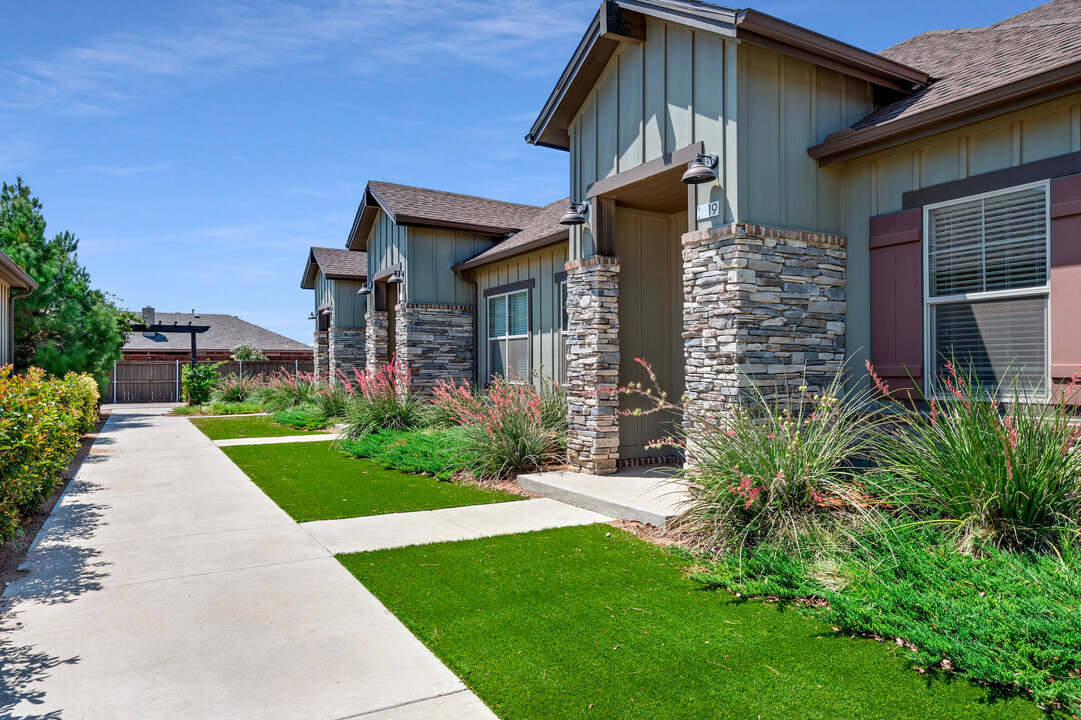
(505, 338)
(1036, 291)
(561, 289)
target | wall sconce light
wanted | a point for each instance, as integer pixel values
(702, 169)
(311, 316)
(396, 278)
(365, 289)
(576, 214)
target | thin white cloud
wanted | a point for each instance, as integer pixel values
(106, 72)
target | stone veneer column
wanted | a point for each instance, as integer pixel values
(347, 350)
(436, 343)
(593, 364)
(320, 355)
(762, 304)
(376, 338)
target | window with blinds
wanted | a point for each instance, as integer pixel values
(987, 282)
(508, 335)
(564, 326)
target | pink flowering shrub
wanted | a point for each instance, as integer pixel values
(994, 471)
(510, 427)
(284, 390)
(381, 398)
(769, 467)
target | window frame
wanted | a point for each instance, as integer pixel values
(563, 294)
(929, 303)
(503, 339)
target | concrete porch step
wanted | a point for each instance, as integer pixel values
(642, 494)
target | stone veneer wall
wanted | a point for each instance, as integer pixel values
(593, 364)
(320, 355)
(348, 350)
(436, 343)
(376, 323)
(761, 303)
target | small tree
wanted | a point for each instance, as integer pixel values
(246, 352)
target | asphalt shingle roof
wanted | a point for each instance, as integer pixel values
(437, 207)
(544, 225)
(338, 263)
(970, 61)
(225, 333)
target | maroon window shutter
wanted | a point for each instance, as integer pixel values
(897, 298)
(1065, 276)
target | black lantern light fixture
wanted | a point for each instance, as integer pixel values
(702, 169)
(365, 289)
(396, 278)
(576, 214)
(311, 316)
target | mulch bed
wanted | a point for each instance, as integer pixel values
(14, 553)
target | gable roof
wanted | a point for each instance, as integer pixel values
(336, 264)
(1023, 60)
(15, 276)
(408, 205)
(620, 21)
(225, 333)
(544, 230)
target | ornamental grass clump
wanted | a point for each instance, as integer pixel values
(382, 399)
(235, 388)
(283, 390)
(504, 428)
(1007, 473)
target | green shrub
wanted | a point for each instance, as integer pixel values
(305, 417)
(334, 400)
(235, 388)
(1004, 617)
(246, 352)
(199, 382)
(382, 400)
(1007, 472)
(41, 421)
(432, 451)
(504, 429)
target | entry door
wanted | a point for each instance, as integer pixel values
(392, 320)
(650, 321)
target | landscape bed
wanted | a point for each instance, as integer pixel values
(591, 620)
(315, 481)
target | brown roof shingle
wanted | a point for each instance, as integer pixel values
(544, 227)
(423, 206)
(225, 333)
(343, 264)
(970, 61)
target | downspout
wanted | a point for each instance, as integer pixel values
(475, 287)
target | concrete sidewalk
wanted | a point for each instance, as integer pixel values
(166, 585)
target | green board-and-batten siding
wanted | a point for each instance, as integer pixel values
(433, 252)
(540, 266)
(348, 307)
(875, 185)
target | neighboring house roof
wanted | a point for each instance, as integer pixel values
(407, 205)
(542, 231)
(225, 333)
(15, 276)
(977, 72)
(625, 21)
(336, 264)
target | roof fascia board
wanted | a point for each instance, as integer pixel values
(344, 276)
(754, 26)
(16, 276)
(411, 221)
(310, 271)
(543, 242)
(364, 220)
(851, 144)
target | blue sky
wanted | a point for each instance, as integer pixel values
(197, 149)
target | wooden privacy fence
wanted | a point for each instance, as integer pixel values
(138, 381)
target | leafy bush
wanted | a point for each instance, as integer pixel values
(382, 401)
(235, 388)
(284, 390)
(246, 352)
(771, 468)
(199, 382)
(41, 421)
(1004, 617)
(304, 417)
(431, 451)
(987, 469)
(504, 430)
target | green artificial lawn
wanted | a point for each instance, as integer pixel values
(591, 621)
(314, 481)
(227, 428)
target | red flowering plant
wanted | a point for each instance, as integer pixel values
(994, 470)
(381, 398)
(767, 467)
